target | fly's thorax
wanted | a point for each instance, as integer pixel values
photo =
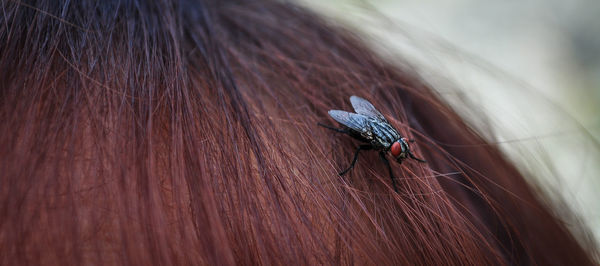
(383, 134)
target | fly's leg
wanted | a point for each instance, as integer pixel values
(361, 147)
(382, 155)
(411, 155)
(415, 158)
(334, 129)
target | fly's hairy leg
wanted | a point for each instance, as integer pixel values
(387, 163)
(415, 158)
(361, 147)
(411, 155)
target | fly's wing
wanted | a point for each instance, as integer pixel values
(354, 121)
(364, 107)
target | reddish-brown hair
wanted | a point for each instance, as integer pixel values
(185, 132)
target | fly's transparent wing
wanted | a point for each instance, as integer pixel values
(351, 120)
(364, 107)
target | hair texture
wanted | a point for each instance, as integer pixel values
(185, 132)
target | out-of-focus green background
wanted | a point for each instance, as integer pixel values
(530, 71)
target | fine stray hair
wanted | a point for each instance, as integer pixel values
(185, 132)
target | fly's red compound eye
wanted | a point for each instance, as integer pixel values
(396, 149)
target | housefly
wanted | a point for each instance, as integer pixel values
(369, 126)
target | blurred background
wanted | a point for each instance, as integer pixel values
(526, 73)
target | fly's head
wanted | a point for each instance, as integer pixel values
(400, 149)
